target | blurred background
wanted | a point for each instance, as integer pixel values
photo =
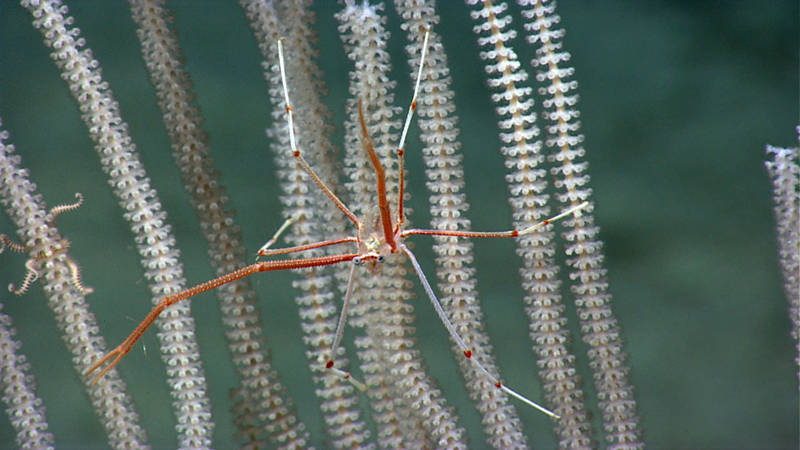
(678, 100)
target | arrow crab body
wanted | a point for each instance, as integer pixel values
(378, 236)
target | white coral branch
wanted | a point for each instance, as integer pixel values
(79, 326)
(389, 356)
(588, 276)
(146, 218)
(23, 406)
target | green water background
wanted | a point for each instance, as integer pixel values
(678, 100)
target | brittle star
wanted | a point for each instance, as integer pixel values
(60, 247)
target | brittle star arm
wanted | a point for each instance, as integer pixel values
(32, 274)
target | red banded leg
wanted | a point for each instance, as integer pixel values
(263, 266)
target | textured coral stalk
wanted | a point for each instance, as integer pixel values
(23, 406)
(155, 243)
(445, 175)
(305, 202)
(523, 153)
(405, 395)
(261, 389)
(784, 173)
(405, 406)
(47, 250)
(584, 250)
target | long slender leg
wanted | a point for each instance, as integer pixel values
(263, 266)
(342, 317)
(401, 146)
(301, 248)
(293, 142)
(340, 332)
(460, 342)
(498, 234)
(286, 224)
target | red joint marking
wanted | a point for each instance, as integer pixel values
(414, 105)
(499, 385)
(545, 222)
(297, 153)
(514, 233)
(329, 364)
(468, 353)
(288, 109)
(346, 376)
(400, 151)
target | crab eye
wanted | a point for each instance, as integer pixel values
(358, 261)
(381, 258)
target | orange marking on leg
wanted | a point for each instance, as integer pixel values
(468, 353)
(329, 364)
(499, 385)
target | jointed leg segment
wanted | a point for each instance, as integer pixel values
(296, 152)
(498, 234)
(460, 342)
(263, 266)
